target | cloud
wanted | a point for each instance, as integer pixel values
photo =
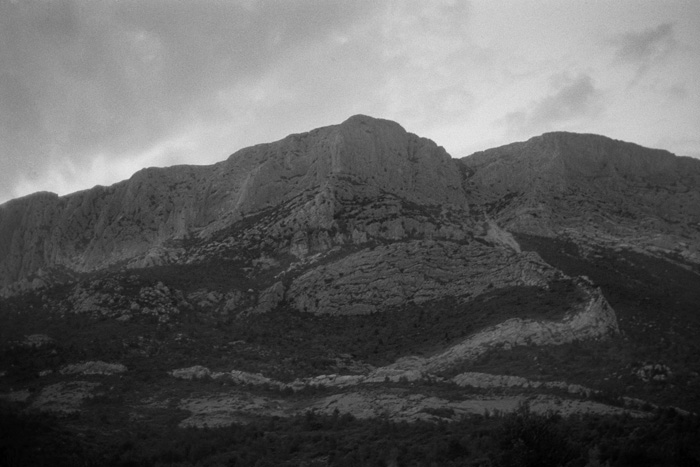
(79, 79)
(571, 100)
(103, 168)
(644, 49)
(112, 79)
(427, 46)
(645, 46)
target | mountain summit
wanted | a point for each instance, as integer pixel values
(586, 186)
(123, 223)
(590, 187)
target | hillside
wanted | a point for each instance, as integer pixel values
(310, 176)
(592, 189)
(357, 270)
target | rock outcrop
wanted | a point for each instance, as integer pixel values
(595, 319)
(93, 368)
(65, 397)
(234, 407)
(489, 381)
(274, 268)
(591, 188)
(140, 220)
(350, 183)
(414, 271)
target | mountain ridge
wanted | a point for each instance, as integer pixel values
(519, 185)
(357, 271)
(160, 204)
(588, 186)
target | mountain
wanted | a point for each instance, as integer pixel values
(358, 270)
(592, 189)
(311, 176)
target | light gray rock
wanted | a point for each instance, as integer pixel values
(93, 368)
(189, 373)
(591, 189)
(415, 271)
(270, 298)
(37, 340)
(64, 397)
(140, 221)
(594, 319)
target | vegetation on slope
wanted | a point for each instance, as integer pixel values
(656, 302)
(283, 344)
(521, 438)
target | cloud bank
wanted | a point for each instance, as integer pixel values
(92, 91)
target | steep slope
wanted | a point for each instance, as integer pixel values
(355, 218)
(625, 216)
(137, 221)
(591, 188)
(348, 219)
(358, 270)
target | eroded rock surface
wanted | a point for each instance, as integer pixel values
(64, 397)
(140, 221)
(414, 271)
(227, 408)
(595, 319)
(593, 189)
(234, 407)
(93, 368)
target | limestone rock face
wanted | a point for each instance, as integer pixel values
(595, 319)
(254, 265)
(362, 150)
(592, 188)
(140, 220)
(415, 271)
(362, 181)
(93, 368)
(24, 231)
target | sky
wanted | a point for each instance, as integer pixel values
(92, 91)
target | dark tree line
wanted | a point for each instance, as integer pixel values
(518, 439)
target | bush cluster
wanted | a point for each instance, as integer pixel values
(518, 439)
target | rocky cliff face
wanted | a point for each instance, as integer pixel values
(413, 272)
(351, 183)
(355, 218)
(362, 268)
(310, 174)
(592, 320)
(592, 188)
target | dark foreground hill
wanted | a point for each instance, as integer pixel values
(357, 278)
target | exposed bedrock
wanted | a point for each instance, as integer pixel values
(593, 319)
(104, 226)
(414, 271)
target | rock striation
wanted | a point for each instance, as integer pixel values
(259, 261)
(93, 368)
(595, 319)
(414, 271)
(362, 182)
(140, 219)
(592, 188)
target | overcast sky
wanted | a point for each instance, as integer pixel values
(93, 90)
